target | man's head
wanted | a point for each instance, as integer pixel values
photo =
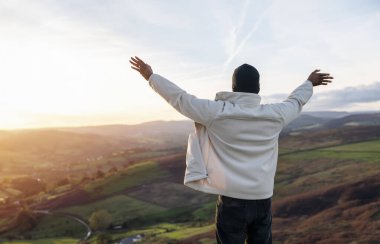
(246, 78)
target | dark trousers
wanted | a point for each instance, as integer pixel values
(239, 220)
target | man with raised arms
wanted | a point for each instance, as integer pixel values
(233, 150)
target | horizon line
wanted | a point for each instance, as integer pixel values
(158, 120)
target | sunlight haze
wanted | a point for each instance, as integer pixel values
(65, 63)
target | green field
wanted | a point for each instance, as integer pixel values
(302, 171)
(135, 175)
(161, 233)
(169, 195)
(121, 208)
(368, 151)
(183, 233)
(167, 232)
(144, 194)
(51, 226)
(45, 241)
(367, 146)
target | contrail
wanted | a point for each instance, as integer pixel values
(237, 50)
(231, 47)
(242, 17)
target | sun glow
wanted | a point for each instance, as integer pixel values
(64, 64)
(59, 73)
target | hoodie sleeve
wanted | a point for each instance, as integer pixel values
(202, 111)
(292, 106)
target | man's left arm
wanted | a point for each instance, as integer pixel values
(292, 106)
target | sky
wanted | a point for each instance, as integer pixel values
(65, 63)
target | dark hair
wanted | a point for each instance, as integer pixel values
(246, 78)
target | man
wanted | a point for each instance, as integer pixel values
(234, 148)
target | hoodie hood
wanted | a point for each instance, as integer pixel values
(238, 97)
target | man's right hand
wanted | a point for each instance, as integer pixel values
(319, 78)
(143, 68)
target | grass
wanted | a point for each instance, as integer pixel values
(150, 231)
(52, 226)
(362, 151)
(205, 213)
(152, 193)
(362, 156)
(207, 241)
(172, 215)
(61, 189)
(46, 241)
(135, 175)
(166, 232)
(282, 150)
(3, 194)
(320, 160)
(148, 154)
(309, 170)
(376, 216)
(13, 192)
(9, 157)
(121, 207)
(287, 184)
(184, 233)
(152, 200)
(367, 146)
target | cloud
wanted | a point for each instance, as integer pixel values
(346, 98)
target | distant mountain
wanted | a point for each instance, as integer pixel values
(163, 134)
(177, 130)
(328, 114)
(355, 120)
(153, 128)
(158, 134)
(329, 120)
(306, 122)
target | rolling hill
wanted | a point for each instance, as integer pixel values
(325, 186)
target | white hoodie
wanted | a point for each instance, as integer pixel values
(234, 148)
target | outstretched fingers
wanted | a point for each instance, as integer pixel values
(137, 64)
(325, 78)
(138, 61)
(320, 78)
(144, 69)
(135, 68)
(133, 63)
(137, 58)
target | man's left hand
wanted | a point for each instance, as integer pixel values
(319, 78)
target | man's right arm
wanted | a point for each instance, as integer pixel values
(292, 106)
(202, 111)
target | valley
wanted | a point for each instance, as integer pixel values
(326, 185)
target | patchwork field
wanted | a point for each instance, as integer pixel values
(325, 191)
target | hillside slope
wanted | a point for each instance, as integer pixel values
(325, 187)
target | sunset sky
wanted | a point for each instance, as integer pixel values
(65, 63)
